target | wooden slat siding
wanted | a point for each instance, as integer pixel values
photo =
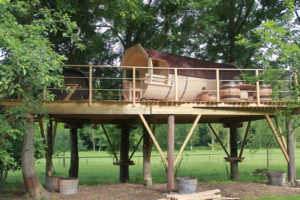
(245, 139)
(278, 139)
(223, 147)
(154, 139)
(90, 85)
(187, 139)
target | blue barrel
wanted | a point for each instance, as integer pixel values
(186, 185)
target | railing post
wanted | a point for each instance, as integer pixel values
(133, 86)
(257, 87)
(175, 84)
(90, 85)
(218, 84)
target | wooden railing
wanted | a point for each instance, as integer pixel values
(135, 89)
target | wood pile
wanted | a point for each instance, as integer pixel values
(206, 195)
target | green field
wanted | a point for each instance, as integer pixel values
(202, 164)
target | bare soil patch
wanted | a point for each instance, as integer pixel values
(140, 192)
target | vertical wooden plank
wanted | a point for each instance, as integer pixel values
(170, 170)
(175, 84)
(133, 86)
(257, 87)
(278, 139)
(187, 138)
(218, 84)
(90, 85)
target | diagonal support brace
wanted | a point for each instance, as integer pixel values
(245, 139)
(219, 140)
(187, 139)
(278, 139)
(153, 139)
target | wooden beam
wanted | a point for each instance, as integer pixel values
(41, 119)
(110, 144)
(136, 147)
(187, 138)
(218, 139)
(153, 139)
(151, 142)
(171, 139)
(175, 85)
(74, 88)
(90, 85)
(245, 139)
(278, 139)
(218, 84)
(281, 135)
(257, 87)
(133, 87)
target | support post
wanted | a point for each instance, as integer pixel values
(257, 87)
(73, 171)
(90, 85)
(175, 85)
(170, 169)
(124, 151)
(187, 138)
(218, 84)
(291, 150)
(234, 170)
(146, 161)
(278, 138)
(133, 86)
(49, 149)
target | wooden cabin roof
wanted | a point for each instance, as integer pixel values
(176, 61)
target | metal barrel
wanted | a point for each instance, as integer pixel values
(52, 183)
(276, 178)
(186, 185)
(68, 185)
(230, 91)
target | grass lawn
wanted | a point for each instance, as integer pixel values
(206, 167)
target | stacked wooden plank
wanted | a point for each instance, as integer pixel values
(206, 195)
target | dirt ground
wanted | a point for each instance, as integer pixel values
(140, 192)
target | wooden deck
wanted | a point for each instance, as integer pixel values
(116, 112)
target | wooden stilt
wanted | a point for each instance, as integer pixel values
(219, 140)
(278, 138)
(170, 169)
(187, 138)
(109, 142)
(244, 140)
(146, 161)
(153, 139)
(73, 171)
(234, 171)
(124, 151)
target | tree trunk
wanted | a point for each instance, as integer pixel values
(31, 182)
(234, 170)
(291, 150)
(146, 158)
(73, 171)
(171, 135)
(51, 132)
(124, 151)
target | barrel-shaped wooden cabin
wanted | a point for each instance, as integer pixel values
(154, 81)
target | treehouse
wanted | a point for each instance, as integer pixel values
(190, 78)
